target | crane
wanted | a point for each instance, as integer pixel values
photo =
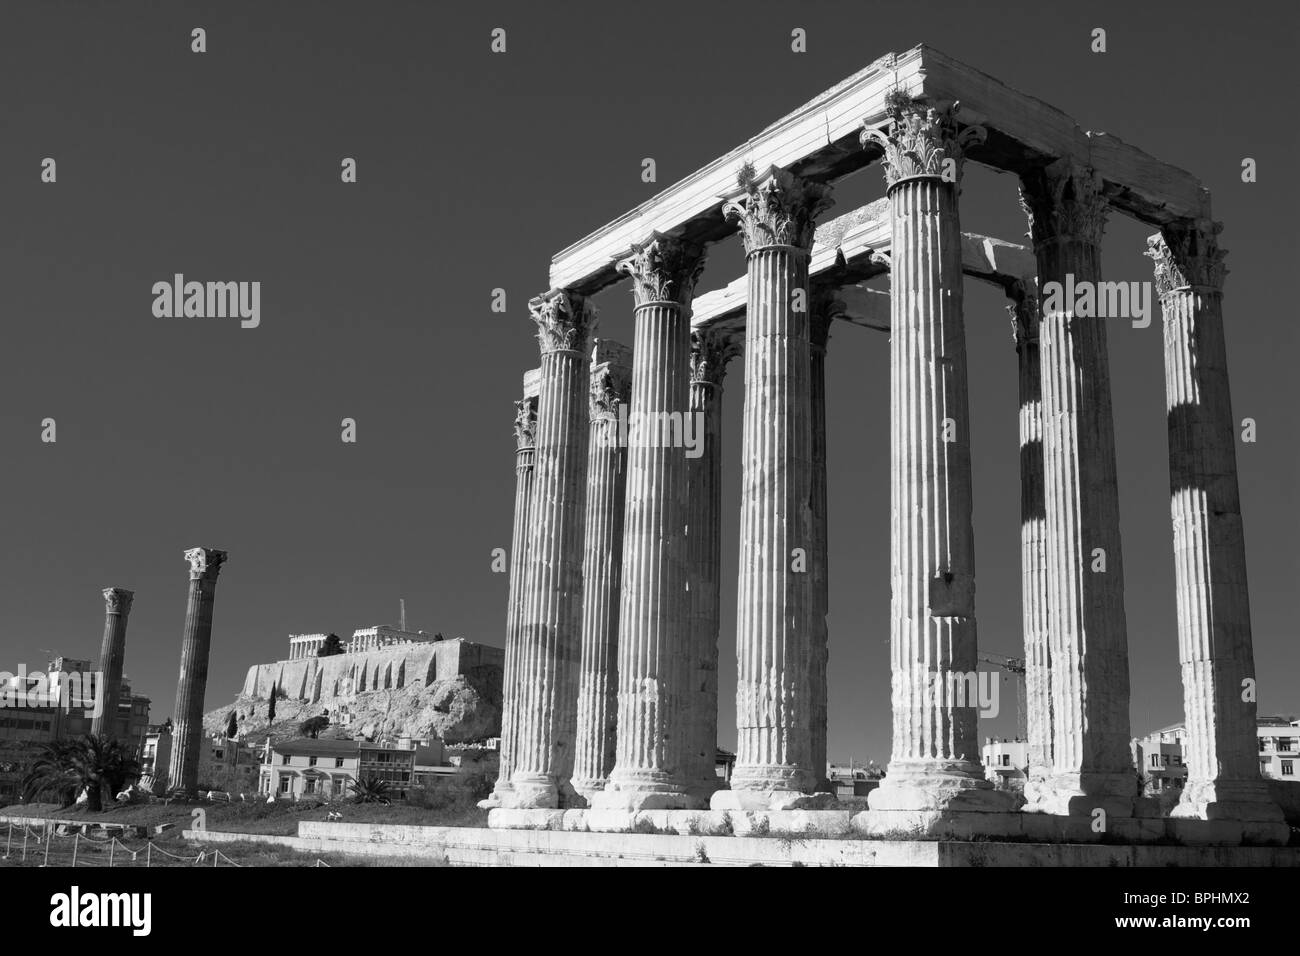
(1015, 666)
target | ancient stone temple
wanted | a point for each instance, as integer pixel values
(610, 715)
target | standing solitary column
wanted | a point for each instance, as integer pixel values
(935, 765)
(187, 731)
(650, 767)
(117, 605)
(1214, 638)
(1092, 765)
(711, 350)
(1033, 541)
(550, 635)
(775, 641)
(611, 381)
(825, 308)
(525, 428)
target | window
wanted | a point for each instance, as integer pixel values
(1287, 769)
(284, 761)
(284, 784)
(338, 762)
(311, 761)
(218, 754)
(310, 786)
(1006, 760)
(1284, 744)
(1155, 760)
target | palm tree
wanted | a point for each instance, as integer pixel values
(370, 790)
(64, 768)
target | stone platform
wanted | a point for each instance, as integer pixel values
(479, 846)
(833, 824)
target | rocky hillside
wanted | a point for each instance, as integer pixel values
(461, 709)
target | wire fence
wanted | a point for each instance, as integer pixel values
(45, 845)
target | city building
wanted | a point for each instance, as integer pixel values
(294, 769)
(1159, 755)
(1006, 762)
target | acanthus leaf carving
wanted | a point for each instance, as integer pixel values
(1186, 255)
(663, 269)
(565, 321)
(779, 209)
(921, 138)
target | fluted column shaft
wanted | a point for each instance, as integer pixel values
(775, 640)
(1092, 766)
(710, 353)
(1033, 539)
(196, 641)
(1215, 646)
(933, 618)
(819, 550)
(551, 630)
(525, 452)
(117, 606)
(653, 669)
(602, 580)
(935, 764)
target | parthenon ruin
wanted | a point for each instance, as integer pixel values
(613, 620)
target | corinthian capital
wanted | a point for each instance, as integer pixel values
(663, 269)
(118, 600)
(565, 321)
(1187, 256)
(711, 350)
(525, 423)
(1064, 201)
(777, 209)
(205, 563)
(1025, 313)
(922, 140)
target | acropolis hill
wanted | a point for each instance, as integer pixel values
(388, 682)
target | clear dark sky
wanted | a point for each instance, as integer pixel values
(474, 169)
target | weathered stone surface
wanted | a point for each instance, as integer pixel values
(550, 633)
(654, 661)
(196, 639)
(1092, 766)
(935, 759)
(776, 638)
(117, 605)
(602, 569)
(448, 689)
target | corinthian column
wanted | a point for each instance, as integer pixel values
(117, 605)
(1092, 766)
(935, 763)
(187, 731)
(825, 308)
(525, 429)
(1033, 541)
(550, 632)
(611, 380)
(650, 766)
(1214, 638)
(710, 352)
(775, 640)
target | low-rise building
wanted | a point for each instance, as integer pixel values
(1159, 755)
(294, 769)
(1006, 762)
